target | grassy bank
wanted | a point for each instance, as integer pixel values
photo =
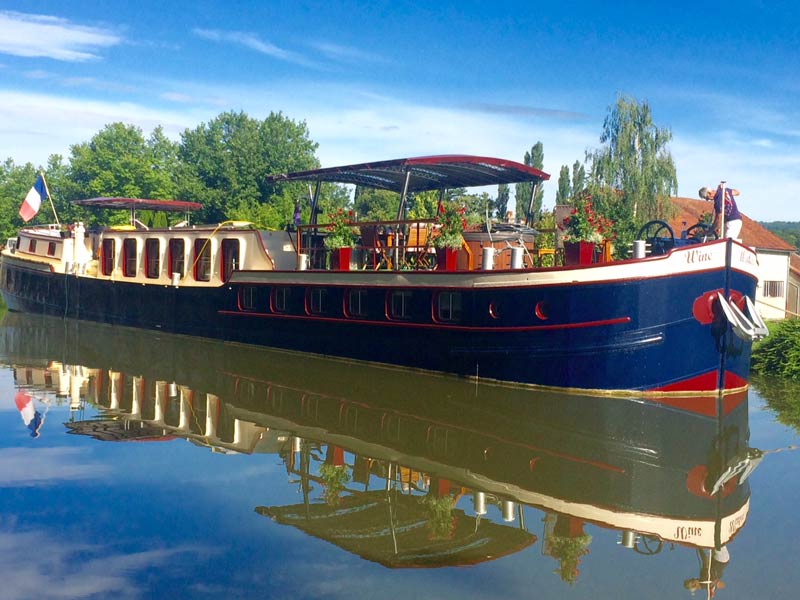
(779, 354)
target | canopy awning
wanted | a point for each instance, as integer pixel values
(139, 204)
(427, 173)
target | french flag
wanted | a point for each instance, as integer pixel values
(30, 206)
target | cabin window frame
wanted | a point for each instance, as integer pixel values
(152, 260)
(130, 249)
(279, 299)
(449, 306)
(228, 266)
(51, 249)
(399, 304)
(359, 307)
(203, 264)
(176, 250)
(316, 301)
(247, 298)
(108, 257)
(32, 246)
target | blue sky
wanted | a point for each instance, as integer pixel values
(379, 80)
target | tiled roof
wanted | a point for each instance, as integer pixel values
(753, 234)
(794, 264)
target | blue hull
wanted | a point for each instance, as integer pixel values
(625, 335)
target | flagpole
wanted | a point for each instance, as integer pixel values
(49, 197)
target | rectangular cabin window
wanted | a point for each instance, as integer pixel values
(400, 305)
(357, 303)
(316, 301)
(152, 258)
(773, 289)
(51, 249)
(280, 298)
(129, 257)
(31, 246)
(448, 307)
(107, 256)
(230, 258)
(202, 259)
(247, 298)
(177, 258)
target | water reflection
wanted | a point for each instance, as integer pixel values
(410, 470)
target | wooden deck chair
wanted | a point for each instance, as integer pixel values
(417, 249)
(377, 256)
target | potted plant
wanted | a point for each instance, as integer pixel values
(583, 229)
(340, 238)
(334, 479)
(449, 225)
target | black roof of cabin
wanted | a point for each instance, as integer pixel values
(427, 173)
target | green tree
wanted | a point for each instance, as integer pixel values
(118, 161)
(501, 202)
(564, 192)
(15, 181)
(226, 162)
(632, 176)
(578, 180)
(375, 205)
(534, 158)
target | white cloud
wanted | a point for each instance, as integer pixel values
(356, 124)
(51, 37)
(251, 41)
(37, 564)
(346, 53)
(45, 466)
(34, 126)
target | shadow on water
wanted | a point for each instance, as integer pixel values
(407, 469)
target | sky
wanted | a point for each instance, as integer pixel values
(389, 79)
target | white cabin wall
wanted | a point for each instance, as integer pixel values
(281, 247)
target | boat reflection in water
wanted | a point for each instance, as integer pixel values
(413, 470)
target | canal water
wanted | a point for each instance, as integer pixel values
(142, 465)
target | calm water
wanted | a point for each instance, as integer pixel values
(141, 465)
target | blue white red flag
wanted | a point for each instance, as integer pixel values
(30, 206)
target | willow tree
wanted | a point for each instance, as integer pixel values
(632, 176)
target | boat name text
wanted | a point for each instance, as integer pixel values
(698, 256)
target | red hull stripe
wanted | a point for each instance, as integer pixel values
(601, 323)
(704, 405)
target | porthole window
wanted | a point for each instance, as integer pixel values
(493, 312)
(542, 310)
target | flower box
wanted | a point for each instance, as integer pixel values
(340, 259)
(579, 253)
(446, 259)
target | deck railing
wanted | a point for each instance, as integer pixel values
(394, 245)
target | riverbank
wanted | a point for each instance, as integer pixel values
(778, 354)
